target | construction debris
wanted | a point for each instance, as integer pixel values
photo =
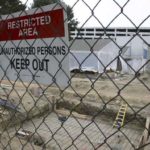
(145, 137)
(31, 137)
(8, 104)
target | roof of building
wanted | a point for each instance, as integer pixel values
(96, 33)
(88, 44)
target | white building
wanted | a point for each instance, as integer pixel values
(133, 44)
(94, 55)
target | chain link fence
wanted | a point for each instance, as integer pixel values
(96, 93)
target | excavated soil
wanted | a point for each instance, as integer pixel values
(87, 94)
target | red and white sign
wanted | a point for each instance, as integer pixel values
(34, 46)
(41, 25)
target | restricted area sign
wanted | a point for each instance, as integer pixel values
(34, 46)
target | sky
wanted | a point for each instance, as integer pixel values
(100, 13)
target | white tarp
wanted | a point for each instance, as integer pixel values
(85, 60)
(133, 65)
(107, 60)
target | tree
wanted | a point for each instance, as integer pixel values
(72, 22)
(10, 6)
(39, 3)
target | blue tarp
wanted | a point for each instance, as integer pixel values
(145, 53)
(8, 104)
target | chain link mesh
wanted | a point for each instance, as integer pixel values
(82, 115)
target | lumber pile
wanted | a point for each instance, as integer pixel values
(145, 139)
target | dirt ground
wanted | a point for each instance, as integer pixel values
(96, 90)
(134, 90)
(87, 94)
(109, 91)
(63, 140)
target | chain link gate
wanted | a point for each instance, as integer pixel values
(82, 115)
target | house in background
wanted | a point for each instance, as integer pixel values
(94, 55)
(131, 42)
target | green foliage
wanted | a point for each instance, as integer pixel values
(72, 23)
(10, 6)
(39, 3)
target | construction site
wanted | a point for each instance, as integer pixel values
(74, 75)
(78, 117)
